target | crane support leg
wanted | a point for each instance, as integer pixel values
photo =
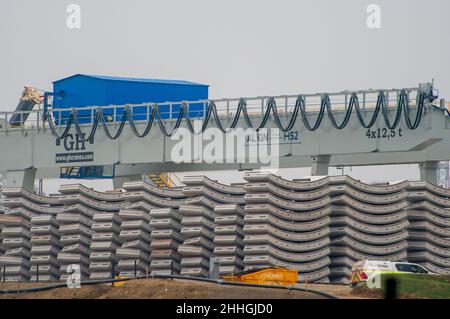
(428, 172)
(320, 165)
(24, 178)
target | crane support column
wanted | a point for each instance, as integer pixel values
(428, 172)
(23, 178)
(320, 165)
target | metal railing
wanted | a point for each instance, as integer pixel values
(282, 108)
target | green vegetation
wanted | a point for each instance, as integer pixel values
(411, 286)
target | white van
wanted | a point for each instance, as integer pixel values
(362, 269)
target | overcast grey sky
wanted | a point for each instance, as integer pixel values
(238, 47)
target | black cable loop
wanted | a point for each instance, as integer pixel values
(105, 126)
(94, 127)
(184, 109)
(330, 114)
(176, 126)
(212, 110)
(420, 102)
(148, 127)
(243, 109)
(54, 129)
(385, 111)
(269, 106)
(304, 114)
(374, 115)
(272, 104)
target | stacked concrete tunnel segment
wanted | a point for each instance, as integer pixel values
(29, 236)
(429, 228)
(199, 221)
(81, 204)
(229, 238)
(367, 223)
(319, 226)
(45, 247)
(287, 227)
(104, 244)
(139, 250)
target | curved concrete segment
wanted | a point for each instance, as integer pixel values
(286, 256)
(370, 229)
(152, 189)
(381, 189)
(383, 199)
(17, 202)
(286, 245)
(369, 208)
(420, 215)
(418, 196)
(289, 205)
(136, 196)
(320, 264)
(284, 235)
(426, 256)
(429, 247)
(347, 251)
(286, 194)
(369, 239)
(283, 183)
(23, 193)
(211, 194)
(90, 193)
(370, 219)
(229, 209)
(434, 209)
(214, 185)
(432, 228)
(371, 249)
(323, 182)
(287, 215)
(424, 236)
(92, 203)
(288, 226)
(425, 186)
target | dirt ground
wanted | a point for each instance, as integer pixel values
(173, 289)
(340, 291)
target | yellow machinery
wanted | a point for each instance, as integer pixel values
(119, 283)
(267, 276)
(165, 180)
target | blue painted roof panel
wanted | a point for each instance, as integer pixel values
(125, 79)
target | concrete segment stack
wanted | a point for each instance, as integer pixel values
(76, 219)
(21, 206)
(287, 224)
(105, 241)
(229, 238)
(45, 246)
(368, 222)
(198, 221)
(135, 254)
(319, 227)
(429, 229)
(165, 239)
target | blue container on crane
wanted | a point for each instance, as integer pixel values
(81, 90)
